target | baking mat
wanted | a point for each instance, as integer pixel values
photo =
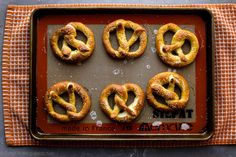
(98, 71)
(101, 70)
(15, 79)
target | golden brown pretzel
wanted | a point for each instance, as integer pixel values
(165, 51)
(53, 95)
(128, 113)
(82, 50)
(124, 44)
(172, 100)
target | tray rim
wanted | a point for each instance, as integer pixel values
(127, 137)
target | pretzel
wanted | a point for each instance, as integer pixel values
(53, 96)
(121, 112)
(178, 40)
(73, 50)
(172, 100)
(124, 44)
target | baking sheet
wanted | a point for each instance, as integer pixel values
(193, 123)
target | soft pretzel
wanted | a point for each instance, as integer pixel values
(124, 44)
(121, 112)
(165, 51)
(172, 100)
(73, 50)
(53, 96)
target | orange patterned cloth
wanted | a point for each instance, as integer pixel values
(15, 78)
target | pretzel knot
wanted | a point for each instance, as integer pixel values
(166, 52)
(72, 49)
(53, 95)
(121, 112)
(172, 101)
(124, 44)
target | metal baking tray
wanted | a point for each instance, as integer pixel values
(195, 122)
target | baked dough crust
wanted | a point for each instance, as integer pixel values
(124, 44)
(172, 100)
(165, 51)
(80, 51)
(53, 95)
(121, 96)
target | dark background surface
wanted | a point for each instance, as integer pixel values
(210, 151)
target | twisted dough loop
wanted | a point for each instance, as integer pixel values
(53, 95)
(172, 100)
(121, 96)
(165, 51)
(124, 44)
(82, 50)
